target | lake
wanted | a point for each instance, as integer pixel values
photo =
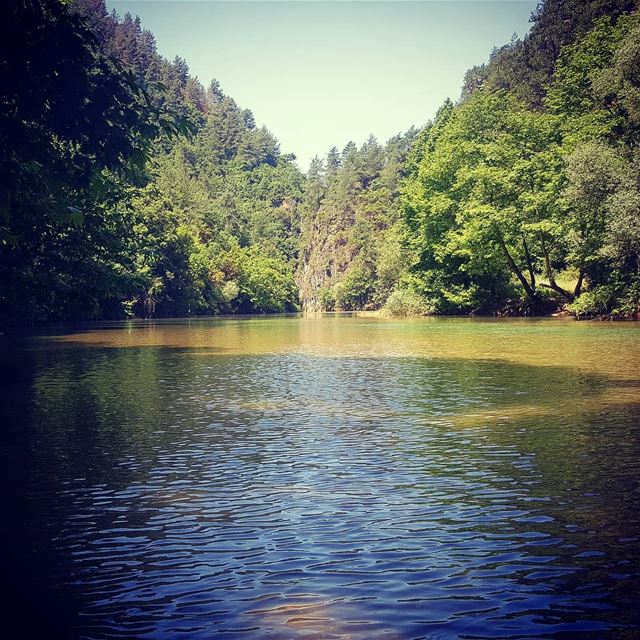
(323, 477)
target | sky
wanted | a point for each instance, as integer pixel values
(319, 74)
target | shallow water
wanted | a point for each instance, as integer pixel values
(324, 477)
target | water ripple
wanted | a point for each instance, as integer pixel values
(298, 495)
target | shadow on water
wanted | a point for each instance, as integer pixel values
(159, 492)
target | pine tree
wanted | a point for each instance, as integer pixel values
(333, 161)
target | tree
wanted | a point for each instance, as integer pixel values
(482, 201)
(75, 128)
(333, 160)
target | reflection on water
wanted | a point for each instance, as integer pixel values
(335, 477)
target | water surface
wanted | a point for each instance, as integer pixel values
(324, 477)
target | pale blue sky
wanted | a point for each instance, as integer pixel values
(319, 74)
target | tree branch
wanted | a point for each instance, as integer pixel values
(552, 281)
(529, 290)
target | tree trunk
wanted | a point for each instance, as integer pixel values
(529, 290)
(532, 275)
(552, 281)
(578, 290)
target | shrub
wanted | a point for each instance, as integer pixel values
(353, 291)
(629, 303)
(405, 302)
(327, 298)
(595, 302)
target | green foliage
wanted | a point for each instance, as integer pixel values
(265, 284)
(75, 132)
(628, 301)
(353, 289)
(531, 176)
(405, 302)
(351, 253)
(525, 66)
(126, 188)
(500, 197)
(598, 301)
(475, 204)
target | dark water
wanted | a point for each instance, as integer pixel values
(323, 478)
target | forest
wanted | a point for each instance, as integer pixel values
(129, 189)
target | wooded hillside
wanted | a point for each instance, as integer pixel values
(130, 189)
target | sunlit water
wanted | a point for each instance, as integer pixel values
(324, 477)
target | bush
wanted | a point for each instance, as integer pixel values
(597, 301)
(629, 303)
(230, 291)
(327, 298)
(352, 292)
(265, 283)
(405, 302)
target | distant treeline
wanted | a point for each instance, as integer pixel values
(128, 189)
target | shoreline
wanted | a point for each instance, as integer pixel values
(363, 313)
